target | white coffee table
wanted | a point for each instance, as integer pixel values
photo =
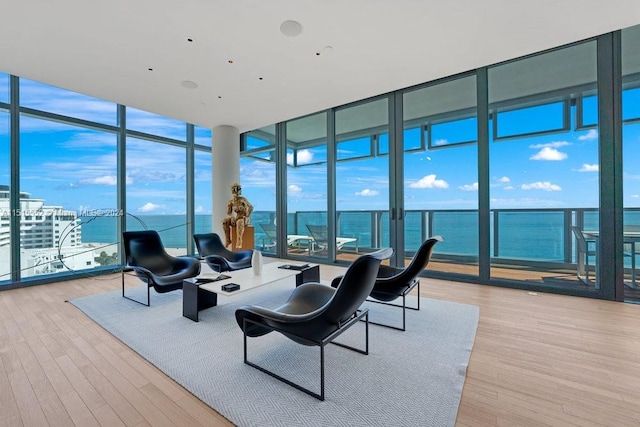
(200, 292)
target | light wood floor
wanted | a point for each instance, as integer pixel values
(537, 360)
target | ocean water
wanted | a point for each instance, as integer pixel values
(521, 235)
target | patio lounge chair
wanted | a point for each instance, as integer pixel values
(320, 242)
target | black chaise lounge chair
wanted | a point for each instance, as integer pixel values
(393, 283)
(315, 314)
(146, 256)
(219, 258)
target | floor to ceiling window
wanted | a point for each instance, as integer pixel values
(202, 176)
(258, 179)
(441, 173)
(68, 208)
(544, 168)
(156, 191)
(306, 185)
(631, 156)
(67, 198)
(156, 184)
(362, 178)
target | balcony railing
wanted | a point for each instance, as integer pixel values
(522, 236)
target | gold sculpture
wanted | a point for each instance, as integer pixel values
(238, 215)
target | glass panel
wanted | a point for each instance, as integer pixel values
(51, 99)
(258, 179)
(68, 207)
(154, 124)
(261, 138)
(541, 184)
(530, 120)
(4, 88)
(630, 165)
(440, 183)
(631, 104)
(362, 179)
(203, 136)
(156, 191)
(5, 208)
(306, 183)
(203, 193)
(453, 132)
(354, 149)
(589, 116)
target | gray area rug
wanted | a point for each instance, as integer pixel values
(409, 378)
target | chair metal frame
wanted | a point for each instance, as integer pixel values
(404, 306)
(146, 280)
(360, 315)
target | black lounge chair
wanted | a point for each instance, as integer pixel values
(219, 258)
(146, 256)
(316, 314)
(393, 283)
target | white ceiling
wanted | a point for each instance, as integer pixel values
(105, 48)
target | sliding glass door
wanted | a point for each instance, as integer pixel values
(440, 151)
(544, 169)
(362, 179)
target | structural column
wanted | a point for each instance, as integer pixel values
(226, 171)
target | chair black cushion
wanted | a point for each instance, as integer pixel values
(392, 282)
(145, 254)
(313, 310)
(219, 258)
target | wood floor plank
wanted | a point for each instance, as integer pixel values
(52, 407)
(8, 407)
(115, 400)
(28, 405)
(87, 392)
(78, 411)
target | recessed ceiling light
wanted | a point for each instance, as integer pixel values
(189, 84)
(291, 28)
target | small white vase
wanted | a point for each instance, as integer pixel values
(256, 262)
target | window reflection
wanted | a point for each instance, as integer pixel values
(68, 208)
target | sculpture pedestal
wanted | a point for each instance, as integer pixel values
(248, 239)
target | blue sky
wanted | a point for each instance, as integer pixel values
(75, 167)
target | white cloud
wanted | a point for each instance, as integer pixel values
(591, 135)
(540, 185)
(102, 180)
(199, 210)
(367, 193)
(469, 187)
(303, 157)
(149, 207)
(439, 142)
(548, 153)
(554, 144)
(586, 167)
(429, 181)
(504, 179)
(508, 187)
(635, 196)
(294, 189)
